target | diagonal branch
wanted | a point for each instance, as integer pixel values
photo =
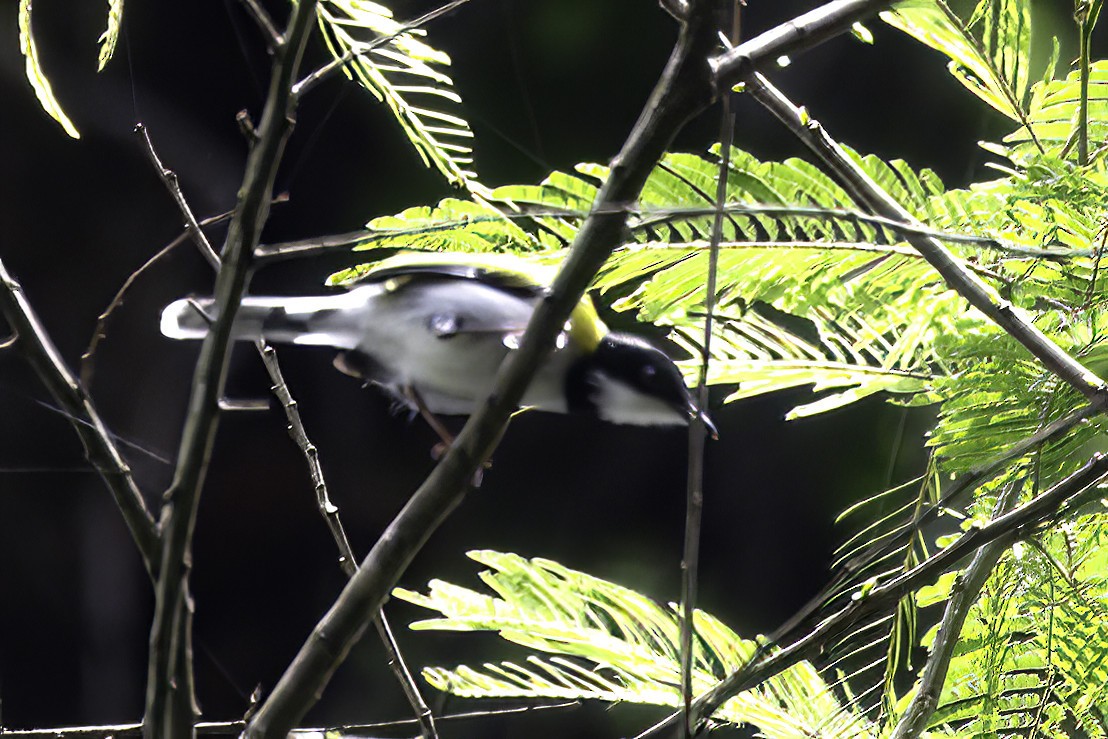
(168, 685)
(800, 34)
(35, 344)
(682, 91)
(965, 483)
(870, 195)
(330, 513)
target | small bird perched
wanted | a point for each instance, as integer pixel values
(433, 328)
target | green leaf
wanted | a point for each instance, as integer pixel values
(110, 36)
(989, 54)
(1053, 113)
(599, 641)
(404, 73)
(36, 76)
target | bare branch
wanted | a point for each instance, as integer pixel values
(274, 39)
(682, 91)
(698, 431)
(35, 344)
(100, 331)
(800, 34)
(870, 195)
(226, 728)
(651, 218)
(330, 513)
(169, 179)
(178, 519)
(677, 9)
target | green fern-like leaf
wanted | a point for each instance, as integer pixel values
(1052, 114)
(606, 642)
(405, 74)
(990, 52)
(110, 37)
(1032, 655)
(35, 75)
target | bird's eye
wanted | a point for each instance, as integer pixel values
(647, 373)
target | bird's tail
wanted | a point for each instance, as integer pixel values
(320, 319)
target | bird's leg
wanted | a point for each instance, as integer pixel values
(447, 439)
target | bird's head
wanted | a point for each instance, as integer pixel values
(626, 380)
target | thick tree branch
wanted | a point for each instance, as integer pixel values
(800, 34)
(870, 195)
(682, 91)
(164, 683)
(34, 342)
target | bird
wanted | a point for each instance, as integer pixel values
(431, 329)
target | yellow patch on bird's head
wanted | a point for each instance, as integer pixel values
(585, 327)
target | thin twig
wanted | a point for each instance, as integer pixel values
(677, 9)
(169, 684)
(698, 433)
(274, 39)
(966, 589)
(651, 218)
(681, 92)
(225, 728)
(1019, 523)
(330, 513)
(329, 69)
(100, 331)
(269, 358)
(169, 179)
(869, 195)
(34, 342)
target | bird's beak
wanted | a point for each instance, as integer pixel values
(709, 425)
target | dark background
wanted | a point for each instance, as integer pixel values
(546, 84)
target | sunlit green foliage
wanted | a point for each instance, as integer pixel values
(813, 293)
(406, 74)
(39, 83)
(610, 643)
